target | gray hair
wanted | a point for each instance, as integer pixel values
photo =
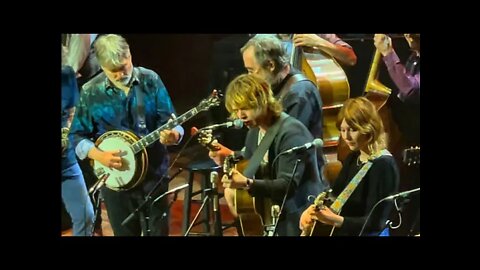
(268, 47)
(111, 50)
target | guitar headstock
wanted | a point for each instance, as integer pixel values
(321, 199)
(411, 156)
(205, 137)
(212, 101)
(229, 163)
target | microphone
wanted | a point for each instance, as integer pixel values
(174, 190)
(99, 183)
(237, 124)
(402, 194)
(213, 181)
(316, 143)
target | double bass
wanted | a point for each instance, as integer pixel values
(330, 78)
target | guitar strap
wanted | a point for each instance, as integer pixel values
(264, 146)
(343, 197)
(140, 113)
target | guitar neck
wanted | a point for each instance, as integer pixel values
(155, 135)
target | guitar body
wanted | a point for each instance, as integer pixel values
(134, 166)
(250, 213)
(253, 213)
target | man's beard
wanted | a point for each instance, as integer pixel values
(125, 81)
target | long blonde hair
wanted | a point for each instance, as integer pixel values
(360, 114)
(250, 92)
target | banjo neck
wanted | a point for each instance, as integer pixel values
(155, 135)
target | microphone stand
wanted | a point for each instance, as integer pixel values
(205, 200)
(148, 198)
(175, 195)
(388, 223)
(285, 197)
(95, 189)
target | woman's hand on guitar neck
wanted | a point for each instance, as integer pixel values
(306, 220)
(326, 216)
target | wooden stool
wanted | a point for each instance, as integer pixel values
(204, 169)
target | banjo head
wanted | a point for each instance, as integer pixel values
(122, 178)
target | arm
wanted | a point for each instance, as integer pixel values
(78, 50)
(408, 85)
(330, 44)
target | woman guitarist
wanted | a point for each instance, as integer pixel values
(362, 129)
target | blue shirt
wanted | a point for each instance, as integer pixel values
(103, 107)
(69, 99)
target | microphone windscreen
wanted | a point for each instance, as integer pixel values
(237, 124)
(318, 142)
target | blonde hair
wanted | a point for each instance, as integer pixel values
(111, 50)
(360, 114)
(250, 92)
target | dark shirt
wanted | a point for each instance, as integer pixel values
(303, 102)
(381, 180)
(305, 182)
(69, 99)
(103, 108)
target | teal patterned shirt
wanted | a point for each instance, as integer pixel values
(103, 107)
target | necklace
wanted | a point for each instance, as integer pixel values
(359, 163)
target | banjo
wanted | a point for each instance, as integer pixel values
(133, 149)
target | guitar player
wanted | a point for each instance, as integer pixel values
(271, 132)
(362, 129)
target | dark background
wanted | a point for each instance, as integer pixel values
(192, 65)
